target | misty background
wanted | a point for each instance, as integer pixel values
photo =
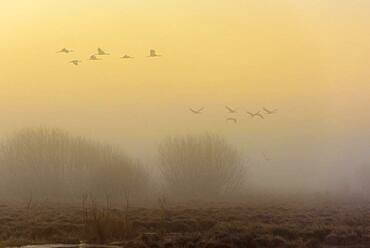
(309, 59)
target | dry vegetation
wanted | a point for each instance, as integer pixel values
(260, 224)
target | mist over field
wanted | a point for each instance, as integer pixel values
(43, 163)
(127, 104)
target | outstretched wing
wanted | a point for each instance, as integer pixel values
(266, 110)
(229, 109)
(196, 111)
(102, 52)
(75, 62)
(259, 115)
(193, 111)
(232, 119)
(269, 111)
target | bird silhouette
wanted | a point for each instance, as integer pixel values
(267, 111)
(153, 53)
(232, 119)
(101, 52)
(65, 50)
(126, 57)
(196, 111)
(256, 114)
(231, 110)
(267, 158)
(93, 57)
(75, 62)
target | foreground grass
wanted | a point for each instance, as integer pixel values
(211, 225)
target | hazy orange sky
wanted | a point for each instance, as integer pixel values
(308, 58)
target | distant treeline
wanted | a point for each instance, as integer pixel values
(51, 164)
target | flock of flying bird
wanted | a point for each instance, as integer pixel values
(153, 53)
(231, 110)
(101, 52)
(265, 111)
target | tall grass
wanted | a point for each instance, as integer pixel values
(102, 224)
(52, 164)
(201, 167)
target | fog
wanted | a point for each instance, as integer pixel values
(48, 164)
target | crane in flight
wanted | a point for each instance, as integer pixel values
(75, 62)
(93, 57)
(268, 111)
(126, 57)
(267, 158)
(256, 114)
(232, 119)
(65, 50)
(196, 111)
(153, 53)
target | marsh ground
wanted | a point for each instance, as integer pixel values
(263, 224)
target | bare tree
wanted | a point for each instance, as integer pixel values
(203, 166)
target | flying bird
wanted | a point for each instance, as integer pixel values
(267, 111)
(231, 110)
(196, 111)
(93, 57)
(126, 57)
(232, 119)
(267, 158)
(256, 114)
(101, 52)
(75, 62)
(65, 50)
(153, 53)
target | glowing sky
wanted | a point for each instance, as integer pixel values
(308, 58)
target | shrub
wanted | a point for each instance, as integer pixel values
(202, 166)
(51, 163)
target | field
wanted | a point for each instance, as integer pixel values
(260, 224)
